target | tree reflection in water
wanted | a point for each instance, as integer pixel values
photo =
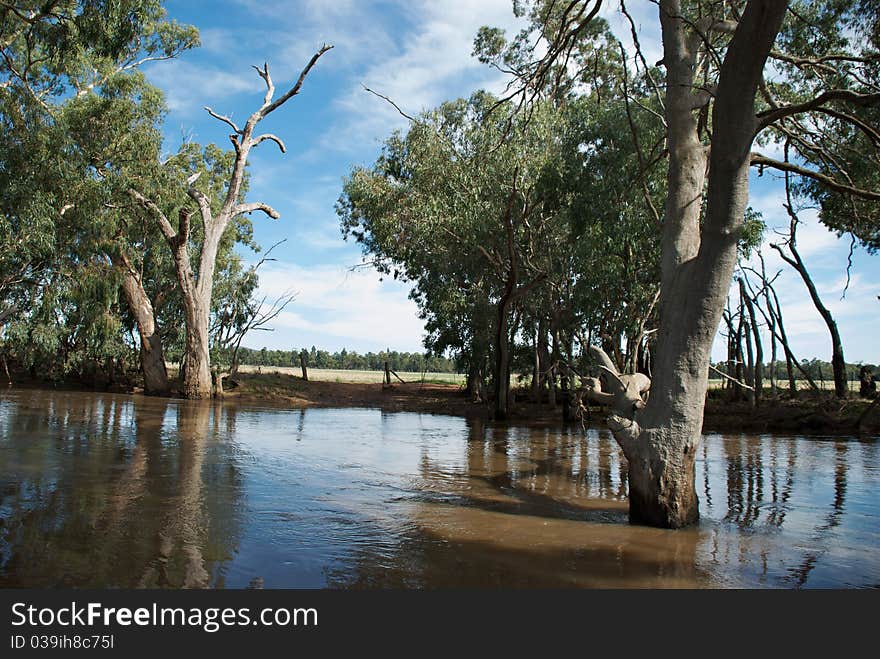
(104, 491)
(97, 508)
(528, 510)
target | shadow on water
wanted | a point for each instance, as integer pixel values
(107, 491)
(527, 514)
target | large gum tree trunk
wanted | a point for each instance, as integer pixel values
(660, 441)
(152, 355)
(197, 378)
(197, 306)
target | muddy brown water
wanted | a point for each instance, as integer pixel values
(118, 491)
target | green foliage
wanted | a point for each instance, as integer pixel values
(457, 205)
(832, 46)
(79, 123)
(752, 233)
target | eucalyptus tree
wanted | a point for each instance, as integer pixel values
(68, 75)
(115, 135)
(614, 189)
(716, 100)
(463, 204)
(822, 106)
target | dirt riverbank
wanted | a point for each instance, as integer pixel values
(809, 414)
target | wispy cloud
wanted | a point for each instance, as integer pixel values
(336, 307)
(418, 53)
(430, 64)
(189, 86)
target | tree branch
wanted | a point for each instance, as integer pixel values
(763, 161)
(252, 206)
(164, 225)
(293, 91)
(770, 116)
(274, 138)
(224, 119)
(204, 204)
(395, 105)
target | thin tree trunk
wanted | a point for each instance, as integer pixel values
(838, 363)
(773, 360)
(747, 360)
(566, 382)
(758, 382)
(502, 352)
(151, 353)
(544, 355)
(775, 312)
(731, 383)
(750, 364)
(739, 372)
(554, 361)
(536, 367)
(304, 365)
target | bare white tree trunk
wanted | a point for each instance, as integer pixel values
(197, 291)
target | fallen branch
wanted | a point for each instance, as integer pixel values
(725, 375)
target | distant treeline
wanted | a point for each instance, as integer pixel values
(817, 369)
(413, 362)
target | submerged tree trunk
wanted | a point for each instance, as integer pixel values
(151, 353)
(660, 441)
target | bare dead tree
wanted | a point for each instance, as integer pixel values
(229, 337)
(793, 258)
(758, 363)
(773, 316)
(196, 288)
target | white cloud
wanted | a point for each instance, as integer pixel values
(189, 87)
(430, 65)
(337, 308)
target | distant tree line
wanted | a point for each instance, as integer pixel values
(818, 369)
(412, 362)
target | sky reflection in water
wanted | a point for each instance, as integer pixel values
(110, 490)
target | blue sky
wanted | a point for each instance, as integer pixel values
(418, 53)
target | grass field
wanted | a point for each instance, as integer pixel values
(339, 375)
(345, 375)
(782, 385)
